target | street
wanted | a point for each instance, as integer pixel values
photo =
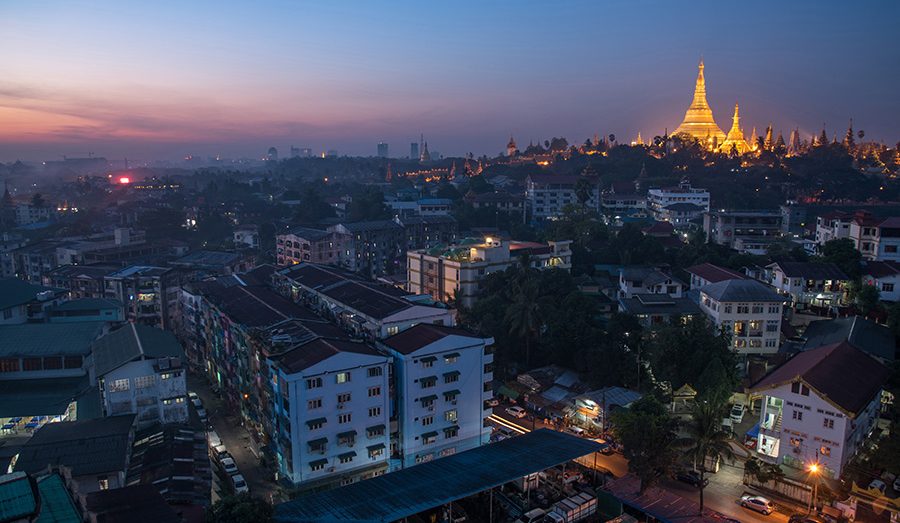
(237, 442)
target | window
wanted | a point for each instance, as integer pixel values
(103, 482)
(451, 358)
(451, 377)
(374, 432)
(743, 309)
(772, 325)
(427, 420)
(797, 415)
(429, 438)
(428, 402)
(32, 364)
(427, 363)
(828, 423)
(887, 287)
(313, 383)
(343, 397)
(774, 309)
(796, 442)
(169, 375)
(375, 371)
(143, 382)
(119, 385)
(393, 330)
(317, 465)
(9, 365)
(314, 404)
(890, 248)
(316, 424)
(757, 309)
(451, 432)
(771, 343)
(804, 390)
(347, 458)
(727, 309)
(825, 451)
(374, 411)
(53, 362)
(344, 418)
(342, 377)
(795, 387)
(450, 415)
(429, 382)
(374, 391)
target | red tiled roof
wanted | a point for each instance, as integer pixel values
(422, 335)
(714, 273)
(842, 374)
(880, 269)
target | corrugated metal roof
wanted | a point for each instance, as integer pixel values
(48, 339)
(413, 490)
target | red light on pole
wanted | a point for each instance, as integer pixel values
(124, 180)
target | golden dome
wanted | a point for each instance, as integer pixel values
(698, 120)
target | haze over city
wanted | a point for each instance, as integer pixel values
(221, 78)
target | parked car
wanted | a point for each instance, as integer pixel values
(878, 485)
(193, 396)
(532, 516)
(737, 412)
(578, 431)
(220, 452)
(212, 437)
(516, 412)
(196, 401)
(758, 503)
(691, 477)
(804, 518)
(493, 402)
(228, 465)
(240, 485)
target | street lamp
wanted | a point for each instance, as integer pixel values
(814, 470)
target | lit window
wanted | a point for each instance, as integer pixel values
(342, 377)
(119, 385)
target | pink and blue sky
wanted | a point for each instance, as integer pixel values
(170, 78)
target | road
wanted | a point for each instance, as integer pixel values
(236, 440)
(722, 494)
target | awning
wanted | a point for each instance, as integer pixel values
(348, 434)
(318, 462)
(429, 435)
(350, 454)
(451, 355)
(316, 421)
(374, 448)
(375, 428)
(452, 373)
(317, 442)
(449, 429)
(423, 399)
(428, 378)
(507, 392)
(753, 432)
(451, 393)
(427, 359)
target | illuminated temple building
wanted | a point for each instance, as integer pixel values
(735, 142)
(698, 120)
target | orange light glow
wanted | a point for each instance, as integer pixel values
(124, 180)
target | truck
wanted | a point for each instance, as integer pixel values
(572, 509)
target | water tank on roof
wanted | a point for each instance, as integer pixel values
(45, 295)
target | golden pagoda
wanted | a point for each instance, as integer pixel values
(735, 139)
(698, 120)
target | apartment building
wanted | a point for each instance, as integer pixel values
(454, 273)
(809, 283)
(374, 248)
(884, 276)
(739, 229)
(648, 280)
(549, 194)
(819, 407)
(749, 311)
(706, 273)
(660, 198)
(150, 294)
(832, 226)
(303, 244)
(442, 378)
(876, 238)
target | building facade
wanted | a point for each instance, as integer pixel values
(737, 229)
(548, 194)
(748, 311)
(660, 198)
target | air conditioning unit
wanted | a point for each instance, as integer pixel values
(330, 469)
(453, 402)
(340, 405)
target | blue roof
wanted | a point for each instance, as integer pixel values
(409, 491)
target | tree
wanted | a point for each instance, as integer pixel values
(583, 191)
(239, 509)
(368, 205)
(866, 298)
(686, 352)
(843, 253)
(705, 438)
(647, 432)
(523, 316)
(38, 200)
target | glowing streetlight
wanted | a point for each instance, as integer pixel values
(814, 471)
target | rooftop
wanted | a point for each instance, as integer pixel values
(659, 304)
(811, 270)
(862, 333)
(90, 446)
(308, 233)
(88, 304)
(842, 374)
(134, 503)
(208, 259)
(307, 354)
(741, 291)
(132, 342)
(714, 273)
(48, 339)
(42, 397)
(14, 291)
(409, 491)
(422, 335)
(376, 225)
(881, 269)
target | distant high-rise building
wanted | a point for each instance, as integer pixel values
(382, 150)
(295, 152)
(414, 150)
(306, 152)
(272, 155)
(332, 153)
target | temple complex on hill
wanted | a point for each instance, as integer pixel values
(698, 120)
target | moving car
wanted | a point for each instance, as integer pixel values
(578, 431)
(758, 503)
(737, 412)
(229, 466)
(516, 412)
(240, 485)
(691, 477)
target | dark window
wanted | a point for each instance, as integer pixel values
(72, 362)
(9, 365)
(53, 362)
(32, 364)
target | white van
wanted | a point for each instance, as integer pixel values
(212, 437)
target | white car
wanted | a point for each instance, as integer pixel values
(878, 485)
(240, 485)
(493, 402)
(197, 403)
(516, 412)
(228, 466)
(193, 396)
(220, 452)
(737, 413)
(758, 503)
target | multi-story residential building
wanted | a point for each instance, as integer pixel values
(81, 281)
(819, 407)
(832, 226)
(749, 311)
(499, 201)
(31, 261)
(454, 273)
(303, 244)
(548, 194)
(246, 237)
(362, 307)
(706, 273)
(656, 310)
(738, 229)
(28, 213)
(884, 276)
(660, 198)
(809, 283)
(429, 230)
(793, 219)
(434, 206)
(442, 379)
(150, 294)
(623, 199)
(22, 302)
(876, 238)
(648, 280)
(138, 371)
(213, 263)
(332, 404)
(682, 215)
(374, 248)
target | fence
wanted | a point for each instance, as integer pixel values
(795, 490)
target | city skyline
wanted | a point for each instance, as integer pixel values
(212, 79)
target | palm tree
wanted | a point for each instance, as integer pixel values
(523, 316)
(583, 190)
(706, 439)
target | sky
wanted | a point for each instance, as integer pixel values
(165, 79)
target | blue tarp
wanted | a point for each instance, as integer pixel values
(753, 432)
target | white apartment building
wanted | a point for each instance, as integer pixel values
(648, 280)
(660, 198)
(884, 276)
(246, 237)
(548, 194)
(749, 311)
(455, 272)
(442, 379)
(832, 226)
(331, 412)
(139, 371)
(819, 407)
(808, 283)
(876, 238)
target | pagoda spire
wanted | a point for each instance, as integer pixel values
(735, 139)
(698, 120)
